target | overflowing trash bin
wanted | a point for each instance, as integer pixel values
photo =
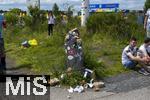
(74, 50)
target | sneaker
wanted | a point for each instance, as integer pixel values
(144, 72)
(148, 69)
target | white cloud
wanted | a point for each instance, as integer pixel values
(124, 4)
(42, 1)
(11, 1)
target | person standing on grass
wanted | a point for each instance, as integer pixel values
(2, 50)
(147, 23)
(51, 23)
(130, 58)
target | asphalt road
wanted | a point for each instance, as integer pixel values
(138, 94)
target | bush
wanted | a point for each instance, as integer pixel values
(11, 18)
(36, 19)
(113, 24)
(27, 20)
(92, 63)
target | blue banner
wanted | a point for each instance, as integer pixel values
(96, 6)
(110, 5)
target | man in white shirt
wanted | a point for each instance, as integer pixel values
(147, 23)
(144, 52)
(129, 54)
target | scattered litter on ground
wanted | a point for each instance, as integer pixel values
(33, 42)
(69, 97)
(29, 43)
(25, 44)
(84, 84)
(70, 90)
(62, 76)
(87, 71)
(79, 89)
(90, 85)
(98, 85)
(54, 81)
(69, 71)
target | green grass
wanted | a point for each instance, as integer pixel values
(102, 51)
(43, 58)
(106, 51)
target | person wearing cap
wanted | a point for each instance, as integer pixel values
(144, 52)
(2, 54)
(147, 23)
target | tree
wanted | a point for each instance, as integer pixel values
(16, 11)
(70, 11)
(55, 9)
(69, 8)
(147, 5)
(12, 16)
(37, 16)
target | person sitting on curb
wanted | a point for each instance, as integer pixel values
(144, 52)
(130, 58)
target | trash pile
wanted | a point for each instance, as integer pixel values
(29, 43)
(83, 85)
(92, 84)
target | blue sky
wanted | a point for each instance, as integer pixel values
(47, 4)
